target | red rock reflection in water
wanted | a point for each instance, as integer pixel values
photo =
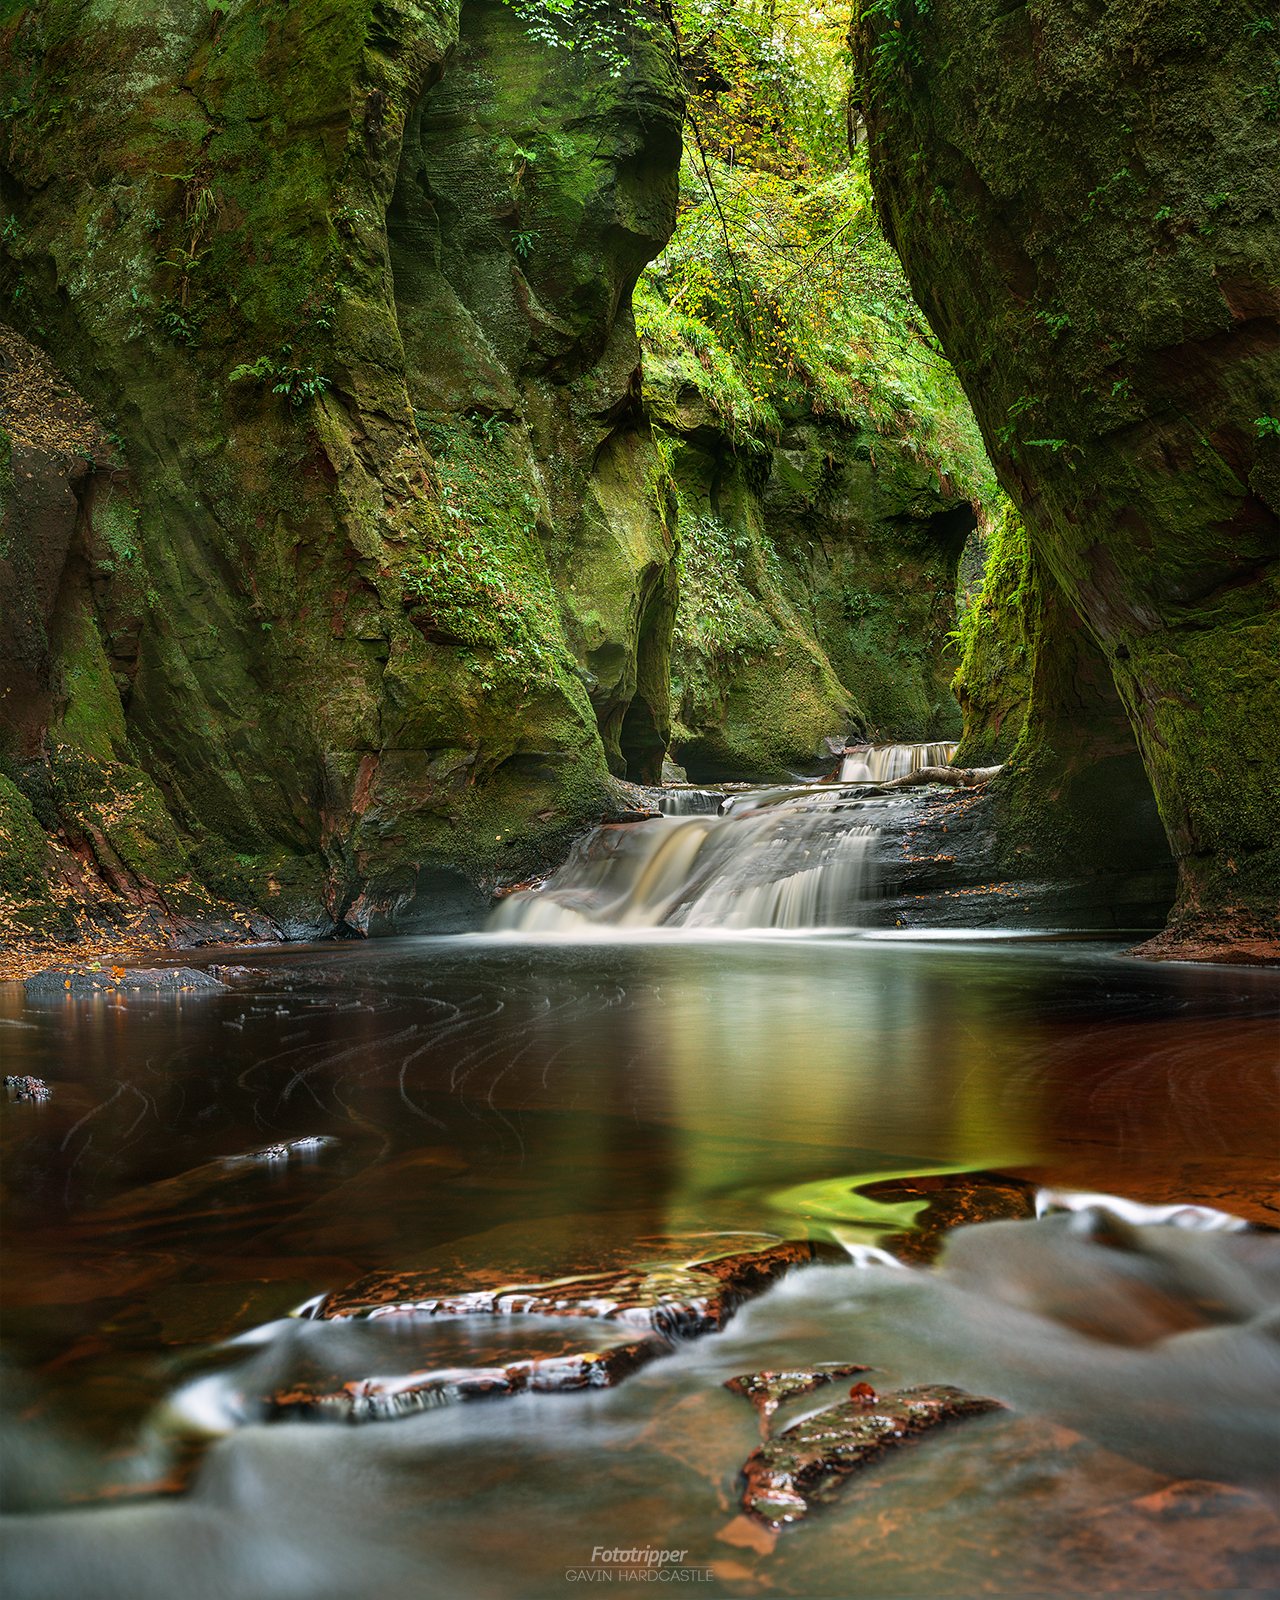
(1166, 1111)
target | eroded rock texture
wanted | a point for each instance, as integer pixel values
(845, 546)
(1085, 202)
(348, 287)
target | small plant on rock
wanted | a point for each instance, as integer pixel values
(298, 383)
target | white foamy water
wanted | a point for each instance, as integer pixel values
(798, 862)
(879, 763)
(789, 858)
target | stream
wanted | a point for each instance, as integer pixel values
(684, 1049)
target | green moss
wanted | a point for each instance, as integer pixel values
(120, 813)
(23, 853)
(480, 581)
(1094, 253)
(998, 642)
(92, 716)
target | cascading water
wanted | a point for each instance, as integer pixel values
(690, 803)
(879, 763)
(773, 858)
(782, 859)
(793, 857)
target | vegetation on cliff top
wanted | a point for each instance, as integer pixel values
(778, 293)
(780, 305)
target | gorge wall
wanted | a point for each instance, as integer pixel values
(361, 330)
(341, 546)
(818, 572)
(1085, 201)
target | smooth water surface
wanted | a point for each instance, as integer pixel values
(493, 1109)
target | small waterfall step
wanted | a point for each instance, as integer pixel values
(690, 802)
(792, 864)
(879, 763)
(785, 857)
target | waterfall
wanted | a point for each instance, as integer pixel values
(790, 857)
(778, 859)
(877, 763)
(690, 802)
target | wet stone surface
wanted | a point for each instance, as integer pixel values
(665, 1303)
(676, 1300)
(119, 980)
(27, 1088)
(949, 1201)
(376, 1399)
(804, 1466)
(766, 1391)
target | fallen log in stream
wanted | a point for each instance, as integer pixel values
(957, 777)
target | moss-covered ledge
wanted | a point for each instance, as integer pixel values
(1085, 204)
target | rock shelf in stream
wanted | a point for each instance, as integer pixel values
(804, 1466)
(767, 1390)
(676, 1300)
(379, 1399)
(665, 1304)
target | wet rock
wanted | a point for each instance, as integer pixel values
(667, 1303)
(950, 1200)
(385, 1399)
(676, 1300)
(804, 1466)
(27, 1088)
(767, 1390)
(908, 1216)
(943, 863)
(119, 980)
(270, 1154)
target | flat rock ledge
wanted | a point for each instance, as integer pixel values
(120, 980)
(664, 1306)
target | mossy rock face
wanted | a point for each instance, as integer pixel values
(23, 851)
(1074, 799)
(1002, 632)
(362, 359)
(1084, 201)
(818, 589)
(533, 188)
(871, 538)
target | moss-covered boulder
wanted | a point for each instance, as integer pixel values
(347, 283)
(1084, 199)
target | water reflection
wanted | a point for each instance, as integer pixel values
(495, 1109)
